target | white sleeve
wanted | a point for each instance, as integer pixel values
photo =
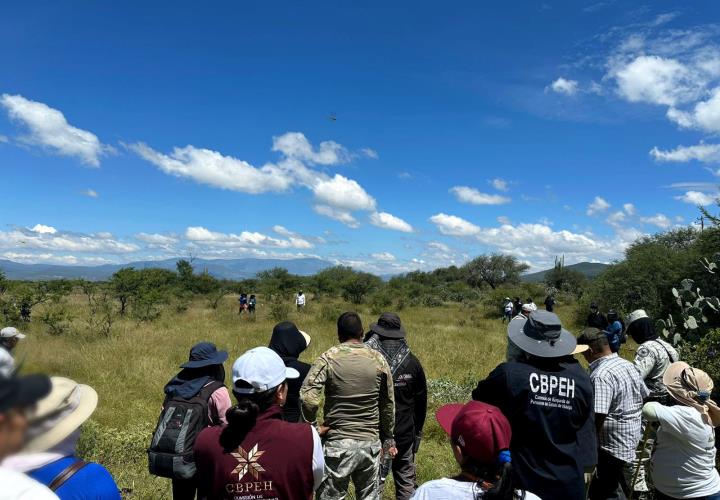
(318, 460)
(7, 363)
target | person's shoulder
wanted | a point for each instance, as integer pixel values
(98, 480)
(18, 486)
(443, 488)
(208, 438)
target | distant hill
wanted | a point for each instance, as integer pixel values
(233, 269)
(589, 269)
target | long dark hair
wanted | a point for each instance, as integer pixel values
(242, 417)
(500, 476)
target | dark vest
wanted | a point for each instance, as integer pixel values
(273, 461)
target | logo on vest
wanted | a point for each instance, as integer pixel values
(248, 462)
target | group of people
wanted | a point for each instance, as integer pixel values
(539, 426)
(513, 308)
(247, 304)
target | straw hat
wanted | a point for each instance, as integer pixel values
(59, 414)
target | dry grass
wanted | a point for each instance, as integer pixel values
(456, 344)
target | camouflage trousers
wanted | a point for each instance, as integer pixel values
(347, 459)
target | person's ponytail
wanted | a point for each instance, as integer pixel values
(503, 488)
(242, 417)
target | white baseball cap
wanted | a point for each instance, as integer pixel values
(262, 368)
(10, 332)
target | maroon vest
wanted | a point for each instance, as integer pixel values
(274, 461)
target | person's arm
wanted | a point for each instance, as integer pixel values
(386, 402)
(493, 390)
(599, 422)
(644, 361)
(318, 460)
(312, 389)
(220, 403)
(420, 405)
(604, 392)
(650, 411)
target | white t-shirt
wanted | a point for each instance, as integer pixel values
(451, 489)
(18, 486)
(683, 464)
(7, 363)
(300, 300)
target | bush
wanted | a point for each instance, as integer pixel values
(705, 355)
(57, 319)
(380, 302)
(330, 312)
(280, 311)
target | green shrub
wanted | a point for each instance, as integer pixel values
(705, 354)
(280, 311)
(380, 302)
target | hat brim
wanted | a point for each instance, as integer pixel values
(565, 344)
(219, 358)
(291, 373)
(446, 414)
(673, 371)
(394, 333)
(62, 429)
(580, 348)
(306, 337)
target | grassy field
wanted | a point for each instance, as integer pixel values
(457, 344)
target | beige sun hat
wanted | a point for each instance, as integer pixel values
(59, 414)
(306, 337)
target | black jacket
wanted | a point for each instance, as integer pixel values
(289, 348)
(410, 401)
(597, 320)
(549, 404)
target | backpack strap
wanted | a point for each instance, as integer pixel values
(66, 474)
(666, 351)
(208, 390)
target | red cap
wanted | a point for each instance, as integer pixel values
(480, 429)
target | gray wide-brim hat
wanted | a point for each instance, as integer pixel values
(542, 335)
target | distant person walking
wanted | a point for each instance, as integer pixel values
(614, 331)
(9, 338)
(289, 342)
(359, 411)
(257, 455)
(194, 399)
(480, 437)
(596, 319)
(508, 309)
(683, 463)
(619, 394)
(50, 456)
(548, 402)
(550, 303)
(517, 303)
(252, 303)
(388, 337)
(243, 303)
(300, 301)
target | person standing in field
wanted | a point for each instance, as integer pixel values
(300, 301)
(508, 309)
(257, 455)
(17, 396)
(359, 411)
(9, 338)
(548, 403)
(514, 353)
(480, 437)
(618, 402)
(389, 339)
(243, 303)
(50, 455)
(596, 319)
(194, 399)
(683, 463)
(289, 342)
(549, 303)
(252, 302)
(614, 331)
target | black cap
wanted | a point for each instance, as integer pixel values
(388, 325)
(19, 392)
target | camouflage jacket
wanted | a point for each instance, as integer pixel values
(359, 395)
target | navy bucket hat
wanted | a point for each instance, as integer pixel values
(205, 354)
(542, 335)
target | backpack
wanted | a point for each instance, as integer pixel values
(171, 450)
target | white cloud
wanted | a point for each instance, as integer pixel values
(338, 214)
(404, 176)
(659, 220)
(384, 256)
(199, 234)
(564, 86)
(343, 193)
(91, 193)
(598, 205)
(369, 153)
(657, 80)
(157, 240)
(212, 168)
(48, 128)
(616, 218)
(43, 229)
(705, 115)
(389, 221)
(504, 219)
(105, 235)
(453, 225)
(295, 145)
(698, 198)
(436, 245)
(50, 258)
(706, 153)
(500, 184)
(629, 208)
(470, 195)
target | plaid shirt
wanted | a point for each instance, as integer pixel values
(619, 394)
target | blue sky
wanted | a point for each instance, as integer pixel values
(531, 128)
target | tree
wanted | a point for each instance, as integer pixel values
(328, 282)
(278, 280)
(125, 284)
(185, 274)
(494, 270)
(357, 287)
(566, 280)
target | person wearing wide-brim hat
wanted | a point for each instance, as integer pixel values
(50, 454)
(289, 342)
(684, 456)
(548, 401)
(388, 337)
(203, 367)
(9, 338)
